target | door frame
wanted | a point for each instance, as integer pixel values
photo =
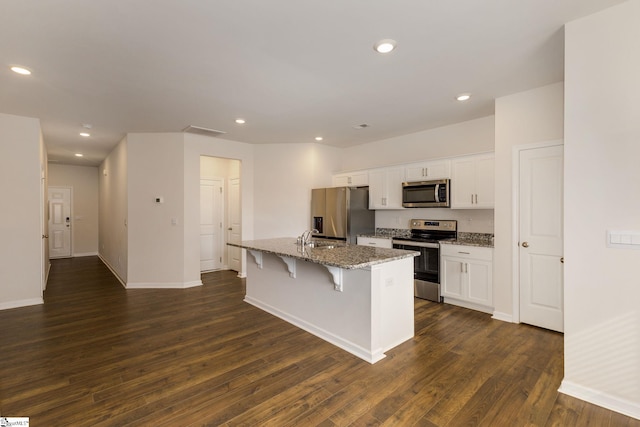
(71, 222)
(515, 219)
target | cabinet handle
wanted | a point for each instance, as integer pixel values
(462, 267)
(472, 199)
(466, 253)
(466, 267)
(476, 199)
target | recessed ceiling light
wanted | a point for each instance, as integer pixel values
(319, 138)
(79, 155)
(463, 97)
(385, 46)
(240, 121)
(21, 70)
(85, 134)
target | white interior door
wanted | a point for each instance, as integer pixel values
(234, 229)
(59, 222)
(541, 237)
(211, 209)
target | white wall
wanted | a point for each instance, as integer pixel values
(469, 220)
(155, 168)
(602, 192)
(112, 228)
(21, 261)
(522, 118)
(84, 182)
(285, 175)
(470, 137)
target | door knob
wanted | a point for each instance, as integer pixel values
(45, 236)
(562, 260)
(525, 244)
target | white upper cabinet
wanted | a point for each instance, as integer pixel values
(426, 171)
(472, 185)
(385, 188)
(351, 179)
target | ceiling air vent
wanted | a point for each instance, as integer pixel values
(202, 131)
(361, 126)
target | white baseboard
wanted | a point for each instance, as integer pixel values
(242, 275)
(502, 316)
(167, 285)
(81, 254)
(21, 303)
(356, 350)
(625, 407)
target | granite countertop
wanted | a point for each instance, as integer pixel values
(343, 255)
(471, 239)
(484, 240)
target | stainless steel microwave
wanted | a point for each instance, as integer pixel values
(426, 194)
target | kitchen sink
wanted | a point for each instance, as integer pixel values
(321, 244)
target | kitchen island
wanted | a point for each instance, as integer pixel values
(358, 298)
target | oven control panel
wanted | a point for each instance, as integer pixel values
(425, 224)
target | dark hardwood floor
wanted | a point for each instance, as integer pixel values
(96, 354)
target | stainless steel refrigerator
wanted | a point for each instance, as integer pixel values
(341, 213)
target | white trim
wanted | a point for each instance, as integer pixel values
(82, 254)
(242, 275)
(515, 219)
(626, 407)
(21, 303)
(113, 271)
(356, 350)
(505, 317)
(166, 285)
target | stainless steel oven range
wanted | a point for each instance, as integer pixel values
(425, 235)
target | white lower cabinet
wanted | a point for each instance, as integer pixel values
(466, 276)
(378, 242)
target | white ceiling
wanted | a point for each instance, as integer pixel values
(294, 69)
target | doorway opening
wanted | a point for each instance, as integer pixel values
(220, 214)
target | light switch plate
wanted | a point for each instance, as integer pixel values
(623, 239)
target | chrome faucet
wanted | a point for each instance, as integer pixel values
(306, 236)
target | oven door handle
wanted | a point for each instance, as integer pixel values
(416, 244)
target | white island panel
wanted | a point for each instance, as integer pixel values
(372, 314)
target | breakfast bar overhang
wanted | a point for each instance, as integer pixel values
(358, 298)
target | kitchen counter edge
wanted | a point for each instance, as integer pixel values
(349, 257)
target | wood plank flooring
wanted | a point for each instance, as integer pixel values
(96, 354)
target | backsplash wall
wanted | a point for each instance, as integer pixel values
(469, 220)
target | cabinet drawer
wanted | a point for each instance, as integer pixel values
(375, 241)
(467, 252)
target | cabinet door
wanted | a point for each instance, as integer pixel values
(340, 180)
(452, 277)
(394, 179)
(428, 171)
(350, 179)
(359, 179)
(377, 190)
(480, 282)
(485, 183)
(463, 183)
